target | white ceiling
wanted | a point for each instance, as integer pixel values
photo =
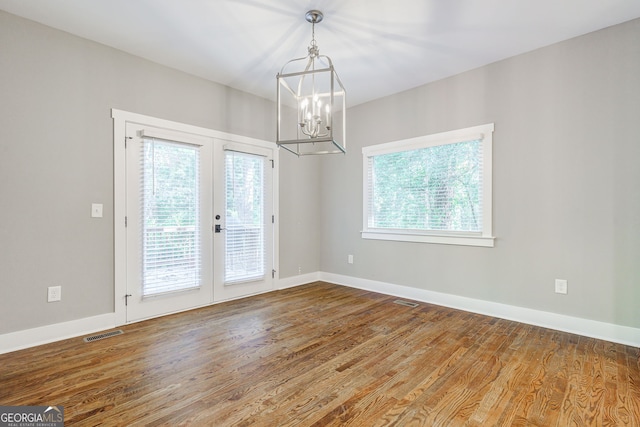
(379, 47)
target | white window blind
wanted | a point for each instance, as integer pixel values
(244, 238)
(436, 188)
(431, 189)
(170, 196)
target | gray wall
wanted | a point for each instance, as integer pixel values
(300, 221)
(56, 158)
(566, 174)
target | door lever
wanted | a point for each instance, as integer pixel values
(218, 228)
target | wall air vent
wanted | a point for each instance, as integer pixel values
(405, 303)
(103, 336)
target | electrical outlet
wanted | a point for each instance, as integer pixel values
(96, 210)
(561, 286)
(54, 293)
(350, 259)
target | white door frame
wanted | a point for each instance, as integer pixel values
(120, 120)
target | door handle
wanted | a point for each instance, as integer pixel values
(218, 228)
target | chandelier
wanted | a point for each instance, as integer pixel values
(311, 102)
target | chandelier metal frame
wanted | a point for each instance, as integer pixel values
(311, 102)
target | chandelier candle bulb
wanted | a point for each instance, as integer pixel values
(303, 111)
(327, 113)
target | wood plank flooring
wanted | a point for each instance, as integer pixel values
(327, 355)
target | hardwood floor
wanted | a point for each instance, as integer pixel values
(322, 354)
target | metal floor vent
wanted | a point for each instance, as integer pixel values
(103, 336)
(405, 303)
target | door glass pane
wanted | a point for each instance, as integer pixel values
(170, 217)
(244, 236)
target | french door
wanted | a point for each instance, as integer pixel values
(243, 221)
(196, 221)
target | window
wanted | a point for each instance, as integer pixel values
(433, 189)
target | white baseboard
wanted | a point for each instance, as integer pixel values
(590, 328)
(59, 331)
(575, 325)
(303, 279)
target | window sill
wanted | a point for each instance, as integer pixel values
(458, 239)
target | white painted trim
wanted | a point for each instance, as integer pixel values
(128, 117)
(59, 331)
(484, 238)
(303, 279)
(590, 328)
(119, 213)
(418, 237)
(443, 138)
(120, 120)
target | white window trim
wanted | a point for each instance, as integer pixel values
(484, 238)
